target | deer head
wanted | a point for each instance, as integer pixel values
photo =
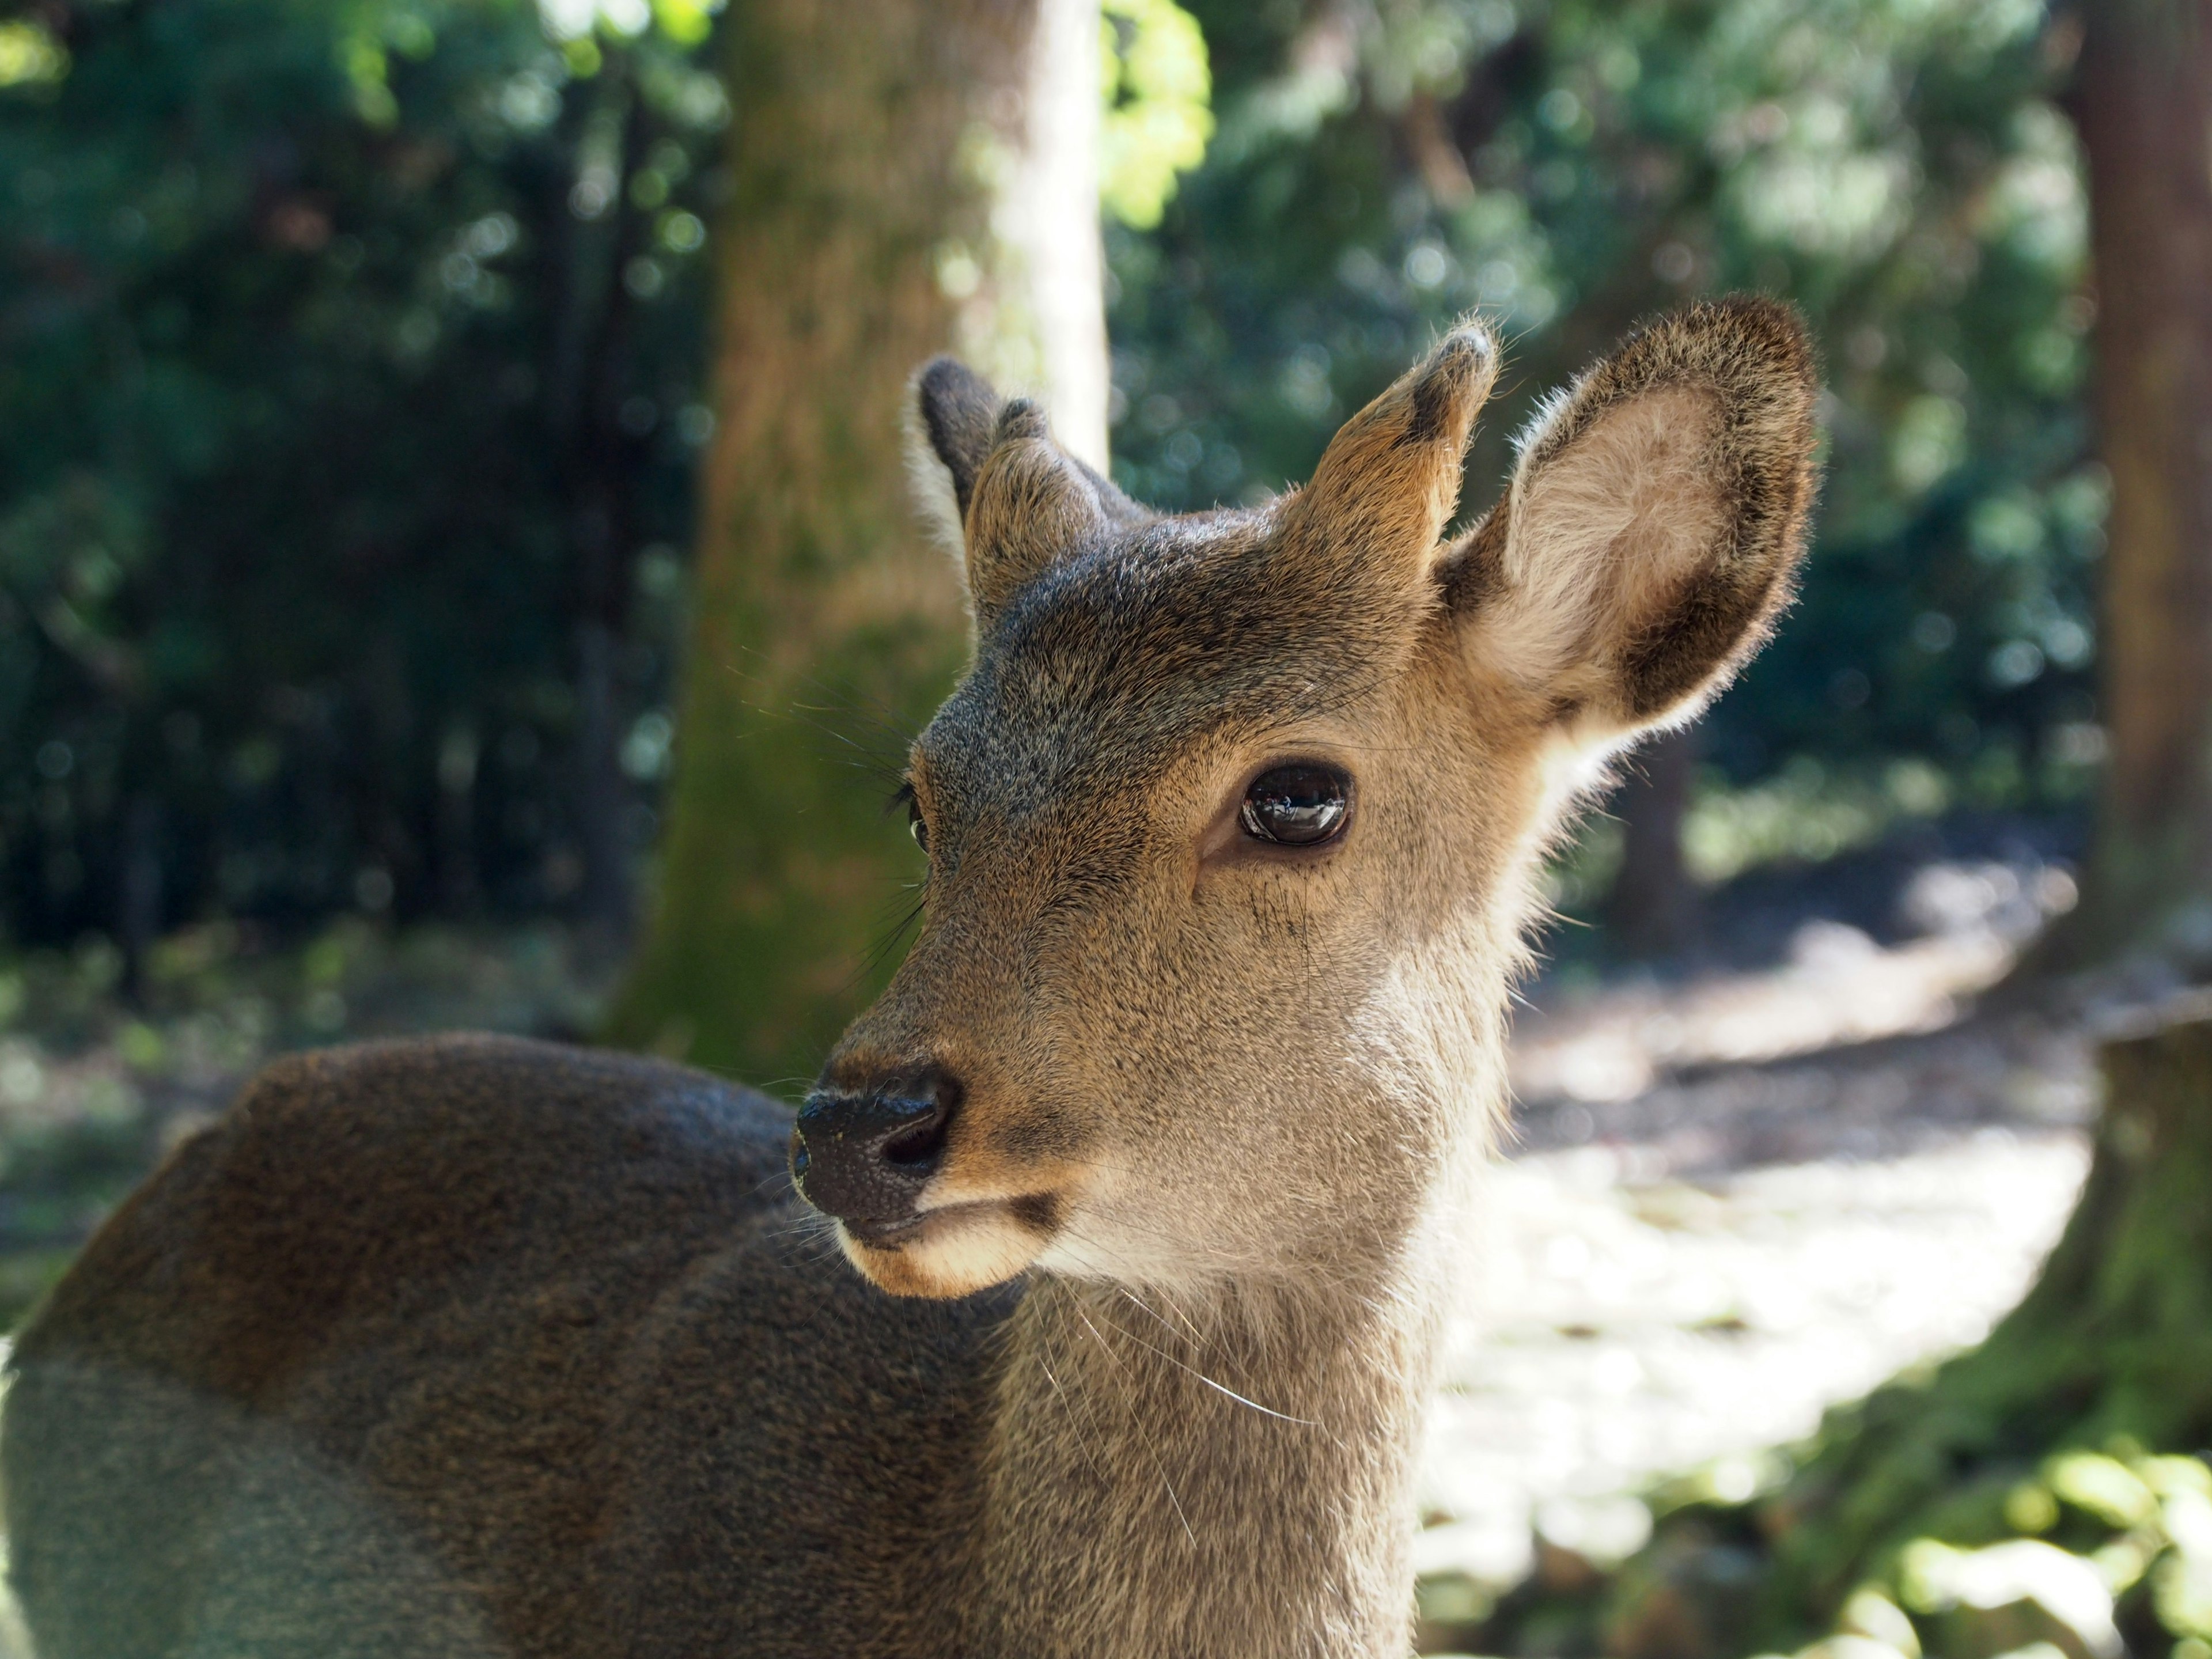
(1231, 823)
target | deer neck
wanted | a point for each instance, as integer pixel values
(1227, 1478)
(1232, 1474)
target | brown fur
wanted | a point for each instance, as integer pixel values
(478, 1348)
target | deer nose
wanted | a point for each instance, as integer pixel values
(863, 1156)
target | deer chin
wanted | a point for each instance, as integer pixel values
(955, 1250)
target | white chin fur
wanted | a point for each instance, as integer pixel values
(956, 1253)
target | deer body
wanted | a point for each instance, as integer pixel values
(511, 1415)
(476, 1348)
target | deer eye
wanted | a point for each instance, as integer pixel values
(1300, 806)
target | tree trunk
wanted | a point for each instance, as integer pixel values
(1652, 903)
(922, 181)
(456, 826)
(138, 890)
(2144, 106)
(600, 464)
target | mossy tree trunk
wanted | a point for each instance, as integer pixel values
(2114, 1339)
(2143, 102)
(909, 177)
(1653, 904)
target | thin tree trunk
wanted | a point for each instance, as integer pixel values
(604, 903)
(456, 830)
(2144, 105)
(1652, 903)
(591, 378)
(138, 890)
(902, 186)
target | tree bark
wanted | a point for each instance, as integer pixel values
(921, 180)
(2143, 102)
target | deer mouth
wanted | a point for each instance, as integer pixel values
(1037, 1212)
(955, 1249)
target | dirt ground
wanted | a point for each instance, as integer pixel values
(1737, 1197)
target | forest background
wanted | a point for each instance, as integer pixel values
(365, 366)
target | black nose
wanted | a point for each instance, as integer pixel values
(864, 1157)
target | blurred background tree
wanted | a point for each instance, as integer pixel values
(351, 366)
(2144, 103)
(927, 182)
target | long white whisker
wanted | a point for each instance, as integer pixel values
(1137, 1417)
(1265, 1411)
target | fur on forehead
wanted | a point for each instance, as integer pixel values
(1198, 619)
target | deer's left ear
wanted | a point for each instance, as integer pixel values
(990, 482)
(1653, 525)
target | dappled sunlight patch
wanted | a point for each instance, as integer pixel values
(1839, 987)
(1623, 1332)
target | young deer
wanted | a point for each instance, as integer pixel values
(475, 1348)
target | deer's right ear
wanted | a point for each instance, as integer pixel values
(1653, 525)
(955, 420)
(1037, 502)
(958, 416)
(1031, 503)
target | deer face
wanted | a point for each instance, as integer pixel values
(1230, 823)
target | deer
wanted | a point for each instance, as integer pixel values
(1150, 1158)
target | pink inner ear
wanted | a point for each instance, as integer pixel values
(1606, 535)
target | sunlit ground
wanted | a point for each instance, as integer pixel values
(1738, 1199)
(1624, 1327)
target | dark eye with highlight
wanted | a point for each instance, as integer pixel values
(1304, 805)
(916, 825)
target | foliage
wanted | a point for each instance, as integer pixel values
(1901, 171)
(1158, 116)
(2084, 1551)
(333, 334)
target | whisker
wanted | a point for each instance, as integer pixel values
(1067, 1403)
(1136, 1417)
(1265, 1411)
